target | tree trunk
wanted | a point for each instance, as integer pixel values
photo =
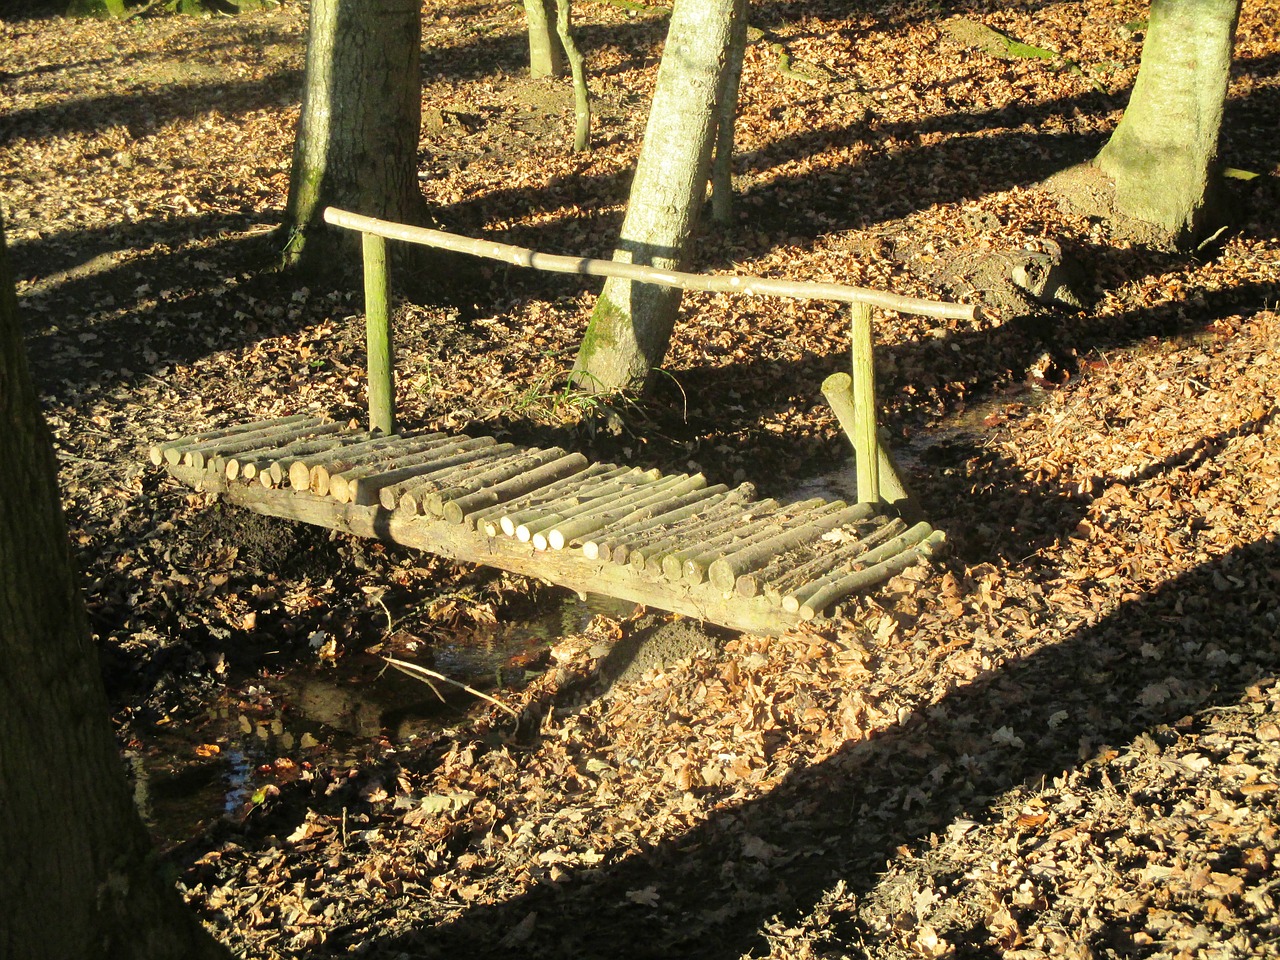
(546, 55)
(631, 325)
(357, 143)
(77, 878)
(726, 120)
(1163, 154)
(577, 64)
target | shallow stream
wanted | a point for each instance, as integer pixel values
(257, 734)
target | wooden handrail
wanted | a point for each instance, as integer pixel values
(862, 401)
(712, 283)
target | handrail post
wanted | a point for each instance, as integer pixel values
(377, 318)
(866, 444)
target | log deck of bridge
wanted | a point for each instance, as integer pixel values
(671, 542)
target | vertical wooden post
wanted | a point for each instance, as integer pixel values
(866, 446)
(377, 318)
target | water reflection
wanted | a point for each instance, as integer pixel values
(254, 736)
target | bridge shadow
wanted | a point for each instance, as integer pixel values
(706, 895)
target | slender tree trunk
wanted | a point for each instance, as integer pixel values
(77, 878)
(726, 120)
(357, 143)
(546, 55)
(1163, 154)
(577, 63)
(631, 325)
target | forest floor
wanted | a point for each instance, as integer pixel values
(1062, 739)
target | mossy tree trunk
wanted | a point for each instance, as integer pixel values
(77, 876)
(632, 322)
(1163, 154)
(357, 142)
(546, 55)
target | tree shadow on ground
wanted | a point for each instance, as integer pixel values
(1203, 637)
(899, 176)
(886, 185)
(91, 310)
(146, 113)
(784, 208)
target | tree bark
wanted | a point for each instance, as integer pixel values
(357, 142)
(726, 119)
(77, 878)
(546, 55)
(1163, 154)
(632, 322)
(577, 64)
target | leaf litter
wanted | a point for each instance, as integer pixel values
(1059, 741)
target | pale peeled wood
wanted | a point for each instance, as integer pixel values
(170, 451)
(200, 454)
(749, 286)
(794, 599)
(461, 509)
(776, 580)
(563, 534)
(837, 590)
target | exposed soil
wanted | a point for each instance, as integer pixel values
(1061, 740)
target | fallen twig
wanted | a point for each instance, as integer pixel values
(426, 676)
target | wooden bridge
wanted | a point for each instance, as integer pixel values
(671, 542)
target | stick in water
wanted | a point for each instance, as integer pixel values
(422, 673)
